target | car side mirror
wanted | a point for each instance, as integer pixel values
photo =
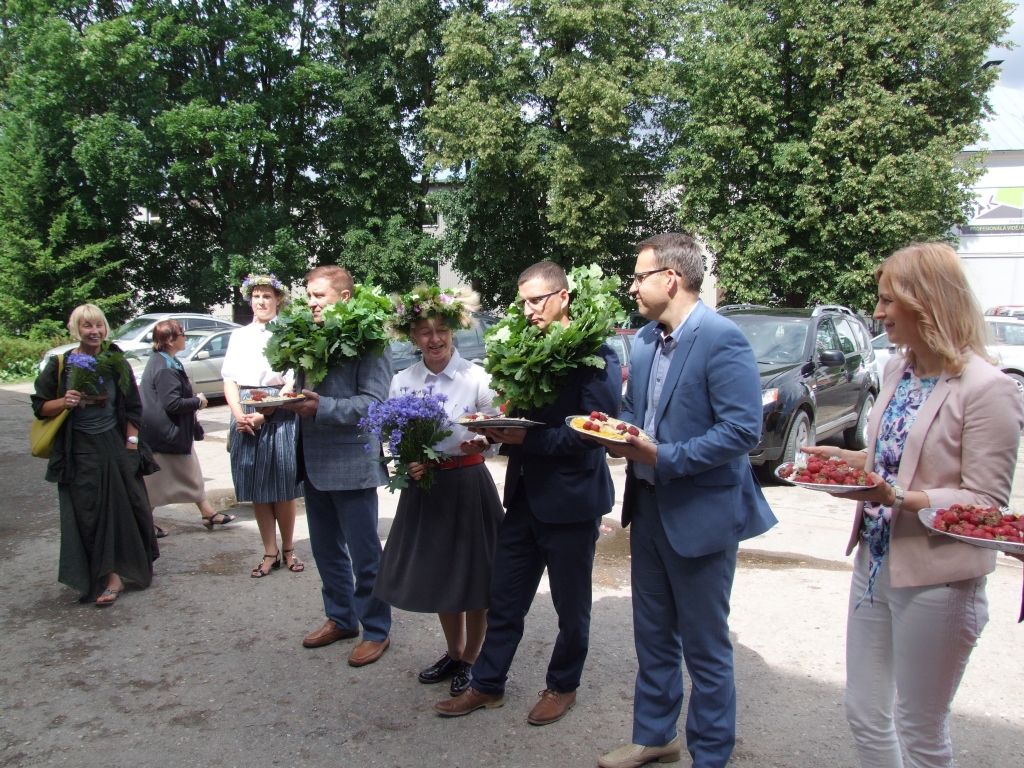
(148, 338)
(204, 355)
(831, 357)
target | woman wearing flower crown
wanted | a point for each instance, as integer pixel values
(262, 444)
(440, 551)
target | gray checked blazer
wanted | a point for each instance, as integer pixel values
(332, 450)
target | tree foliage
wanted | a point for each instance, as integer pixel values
(813, 138)
(542, 110)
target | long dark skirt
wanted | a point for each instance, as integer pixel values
(105, 523)
(440, 552)
(263, 465)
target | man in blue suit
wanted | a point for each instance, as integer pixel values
(557, 488)
(691, 497)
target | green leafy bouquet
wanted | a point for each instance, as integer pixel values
(528, 366)
(351, 329)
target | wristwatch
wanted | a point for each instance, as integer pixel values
(899, 498)
(133, 439)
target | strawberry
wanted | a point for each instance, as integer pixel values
(633, 431)
(594, 415)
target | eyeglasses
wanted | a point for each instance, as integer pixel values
(536, 302)
(639, 277)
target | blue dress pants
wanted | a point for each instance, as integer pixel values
(525, 546)
(681, 613)
(346, 547)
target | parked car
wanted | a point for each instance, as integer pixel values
(1007, 310)
(137, 335)
(883, 351)
(818, 376)
(622, 342)
(1008, 348)
(202, 358)
(469, 342)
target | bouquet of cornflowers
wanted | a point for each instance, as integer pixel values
(528, 366)
(350, 330)
(410, 425)
(86, 372)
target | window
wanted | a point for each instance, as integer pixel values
(199, 323)
(825, 340)
(881, 341)
(218, 345)
(466, 338)
(774, 339)
(847, 338)
(616, 342)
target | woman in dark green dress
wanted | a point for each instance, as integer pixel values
(106, 526)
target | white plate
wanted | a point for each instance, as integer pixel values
(273, 402)
(499, 423)
(599, 435)
(927, 517)
(820, 487)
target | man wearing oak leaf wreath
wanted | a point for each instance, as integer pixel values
(557, 488)
(340, 481)
(691, 497)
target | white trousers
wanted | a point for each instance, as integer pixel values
(907, 652)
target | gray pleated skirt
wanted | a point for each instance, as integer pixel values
(263, 465)
(440, 552)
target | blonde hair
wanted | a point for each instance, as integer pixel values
(88, 312)
(928, 279)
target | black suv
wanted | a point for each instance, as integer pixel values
(469, 342)
(818, 376)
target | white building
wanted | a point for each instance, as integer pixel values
(992, 243)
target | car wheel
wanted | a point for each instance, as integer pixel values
(1018, 380)
(856, 437)
(801, 433)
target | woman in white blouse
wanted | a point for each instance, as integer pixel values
(262, 444)
(440, 550)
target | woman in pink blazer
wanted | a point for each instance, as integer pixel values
(945, 430)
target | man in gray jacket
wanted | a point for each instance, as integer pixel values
(341, 480)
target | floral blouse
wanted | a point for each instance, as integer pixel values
(897, 420)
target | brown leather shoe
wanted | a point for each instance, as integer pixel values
(327, 634)
(368, 652)
(469, 700)
(552, 707)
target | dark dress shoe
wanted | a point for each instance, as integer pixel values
(440, 670)
(463, 677)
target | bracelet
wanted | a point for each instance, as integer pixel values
(898, 501)
(133, 439)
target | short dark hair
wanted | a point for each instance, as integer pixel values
(552, 274)
(165, 332)
(680, 253)
(341, 278)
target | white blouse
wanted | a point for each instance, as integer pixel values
(468, 389)
(245, 362)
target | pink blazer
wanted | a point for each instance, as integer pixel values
(962, 448)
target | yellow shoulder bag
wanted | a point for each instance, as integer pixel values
(44, 431)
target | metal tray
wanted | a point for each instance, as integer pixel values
(927, 518)
(820, 487)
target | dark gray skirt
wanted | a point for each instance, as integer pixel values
(263, 465)
(440, 552)
(105, 523)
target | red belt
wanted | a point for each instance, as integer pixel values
(458, 462)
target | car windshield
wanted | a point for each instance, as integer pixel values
(191, 342)
(133, 328)
(881, 341)
(774, 339)
(1008, 334)
(616, 343)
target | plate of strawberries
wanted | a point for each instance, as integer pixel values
(830, 475)
(263, 400)
(603, 426)
(989, 527)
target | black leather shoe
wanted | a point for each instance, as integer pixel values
(440, 670)
(462, 678)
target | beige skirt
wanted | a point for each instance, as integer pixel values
(179, 481)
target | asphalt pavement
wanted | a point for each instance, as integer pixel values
(206, 667)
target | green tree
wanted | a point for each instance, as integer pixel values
(813, 138)
(542, 112)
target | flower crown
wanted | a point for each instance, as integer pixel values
(454, 307)
(267, 281)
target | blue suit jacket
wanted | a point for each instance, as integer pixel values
(567, 478)
(708, 420)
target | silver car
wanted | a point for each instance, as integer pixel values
(137, 335)
(202, 358)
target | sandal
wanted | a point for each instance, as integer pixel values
(296, 565)
(160, 532)
(259, 573)
(209, 522)
(112, 594)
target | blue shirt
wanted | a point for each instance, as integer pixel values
(663, 351)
